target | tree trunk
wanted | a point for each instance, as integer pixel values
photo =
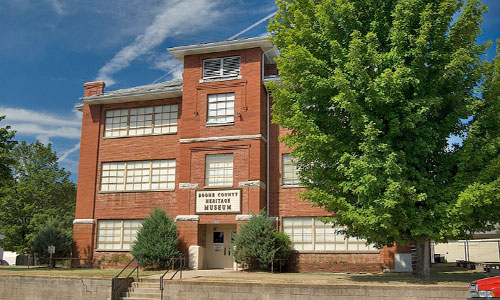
(423, 268)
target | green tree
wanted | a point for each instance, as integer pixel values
(6, 158)
(41, 189)
(53, 233)
(478, 176)
(157, 241)
(283, 245)
(371, 91)
(257, 242)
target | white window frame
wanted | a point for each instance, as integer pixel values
(217, 167)
(220, 109)
(311, 234)
(138, 176)
(116, 232)
(289, 171)
(222, 73)
(141, 121)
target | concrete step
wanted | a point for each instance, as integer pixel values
(142, 295)
(150, 285)
(139, 298)
(143, 290)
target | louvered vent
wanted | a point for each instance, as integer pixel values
(231, 66)
(221, 67)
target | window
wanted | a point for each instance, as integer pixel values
(310, 234)
(141, 121)
(220, 108)
(221, 67)
(290, 176)
(116, 234)
(138, 176)
(219, 170)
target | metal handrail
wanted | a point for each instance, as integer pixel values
(115, 279)
(173, 261)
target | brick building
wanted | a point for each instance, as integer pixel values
(204, 149)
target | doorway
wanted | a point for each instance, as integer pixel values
(219, 241)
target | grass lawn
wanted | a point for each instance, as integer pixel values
(68, 272)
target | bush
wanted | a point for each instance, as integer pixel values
(157, 241)
(283, 245)
(259, 242)
(53, 233)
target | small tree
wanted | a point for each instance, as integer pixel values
(283, 245)
(256, 242)
(53, 233)
(157, 241)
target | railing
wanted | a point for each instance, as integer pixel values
(115, 279)
(173, 262)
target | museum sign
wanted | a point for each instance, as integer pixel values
(218, 201)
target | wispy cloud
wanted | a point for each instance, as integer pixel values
(42, 126)
(25, 115)
(57, 6)
(253, 25)
(44, 133)
(166, 62)
(66, 153)
(175, 17)
(45, 127)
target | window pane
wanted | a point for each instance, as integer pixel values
(140, 175)
(290, 172)
(116, 234)
(141, 121)
(220, 108)
(300, 232)
(219, 170)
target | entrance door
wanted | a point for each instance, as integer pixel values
(220, 246)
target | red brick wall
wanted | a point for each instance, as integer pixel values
(339, 262)
(188, 235)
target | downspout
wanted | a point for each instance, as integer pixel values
(268, 114)
(267, 133)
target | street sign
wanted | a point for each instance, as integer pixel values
(52, 249)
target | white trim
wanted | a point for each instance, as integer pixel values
(252, 183)
(83, 221)
(243, 217)
(220, 79)
(188, 186)
(223, 138)
(187, 218)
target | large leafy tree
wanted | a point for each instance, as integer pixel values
(478, 177)
(371, 91)
(40, 190)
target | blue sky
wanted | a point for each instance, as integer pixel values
(49, 48)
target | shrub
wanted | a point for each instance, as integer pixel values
(53, 233)
(256, 242)
(157, 241)
(283, 245)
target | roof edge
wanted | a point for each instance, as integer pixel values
(263, 42)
